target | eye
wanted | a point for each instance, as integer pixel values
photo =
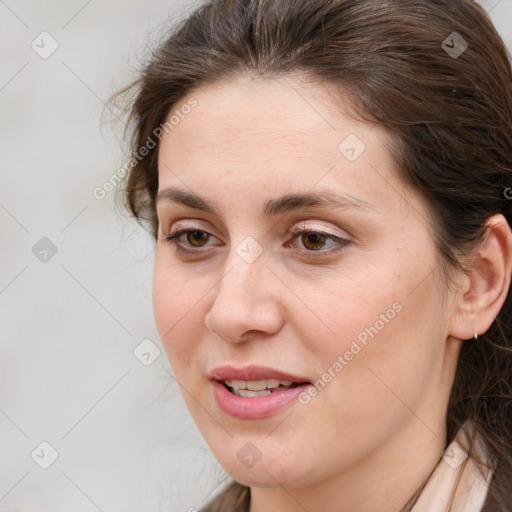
(314, 241)
(194, 238)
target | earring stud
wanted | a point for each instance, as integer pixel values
(475, 335)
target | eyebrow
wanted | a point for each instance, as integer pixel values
(280, 205)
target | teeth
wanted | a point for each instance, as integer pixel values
(240, 384)
(273, 383)
(248, 393)
(258, 386)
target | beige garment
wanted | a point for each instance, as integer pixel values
(458, 483)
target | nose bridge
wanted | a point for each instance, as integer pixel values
(244, 275)
(243, 301)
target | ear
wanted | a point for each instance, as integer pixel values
(484, 289)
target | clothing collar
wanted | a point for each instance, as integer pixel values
(459, 483)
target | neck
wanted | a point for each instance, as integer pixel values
(389, 480)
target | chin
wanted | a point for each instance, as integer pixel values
(266, 475)
(252, 467)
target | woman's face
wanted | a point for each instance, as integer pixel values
(306, 261)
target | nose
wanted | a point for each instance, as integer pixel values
(247, 302)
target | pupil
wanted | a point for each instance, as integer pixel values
(314, 239)
(197, 236)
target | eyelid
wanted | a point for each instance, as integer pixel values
(297, 228)
(305, 225)
(190, 225)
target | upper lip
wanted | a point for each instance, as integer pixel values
(252, 372)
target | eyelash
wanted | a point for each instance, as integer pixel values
(296, 232)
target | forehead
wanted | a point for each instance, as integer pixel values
(258, 137)
(285, 116)
(258, 120)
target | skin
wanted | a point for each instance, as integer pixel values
(372, 436)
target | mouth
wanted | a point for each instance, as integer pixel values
(262, 387)
(255, 392)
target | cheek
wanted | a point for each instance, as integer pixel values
(385, 351)
(339, 314)
(179, 311)
(385, 323)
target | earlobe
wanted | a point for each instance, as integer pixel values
(486, 285)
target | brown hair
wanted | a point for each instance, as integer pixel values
(448, 109)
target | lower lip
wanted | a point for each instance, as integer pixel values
(254, 406)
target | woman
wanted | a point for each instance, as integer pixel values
(328, 184)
